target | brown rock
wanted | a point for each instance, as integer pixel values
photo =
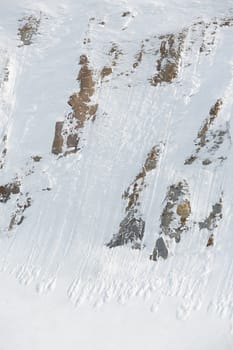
(184, 209)
(58, 139)
(105, 72)
(210, 240)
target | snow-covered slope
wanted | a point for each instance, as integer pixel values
(116, 170)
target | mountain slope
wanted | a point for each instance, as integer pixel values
(116, 134)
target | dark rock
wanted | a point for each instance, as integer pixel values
(131, 231)
(72, 141)
(213, 218)
(175, 192)
(28, 30)
(190, 160)
(125, 14)
(58, 138)
(206, 162)
(7, 190)
(37, 158)
(152, 159)
(210, 241)
(160, 250)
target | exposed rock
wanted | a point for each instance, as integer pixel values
(206, 162)
(79, 102)
(210, 138)
(105, 72)
(139, 56)
(115, 52)
(6, 74)
(133, 191)
(184, 209)
(226, 22)
(58, 139)
(4, 69)
(72, 141)
(215, 109)
(176, 202)
(190, 160)
(202, 134)
(211, 222)
(152, 158)
(3, 152)
(173, 218)
(37, 158)
(86, 41)
(210, 241)
(132, 226)
(125, 14)
(171, 47)
(67, 133)
(18, 216)
(131, 231)
(160, 250)
(47, 189)
(28, 29)
(208, 35)
(7, 190)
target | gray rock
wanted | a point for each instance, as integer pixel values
(214, 217)
(160, 249)
(131, 231)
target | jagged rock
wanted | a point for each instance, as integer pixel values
(215, 215)
(152, 158)
(7, 190)
(171, 47)
(131, 231)
(29, 29)
(212, 139)
(105, 72)
(136, 187)
(190, 160)
(66, 136)
(170, 225)
(37, 158)
(184, 209)
(18, 216)
(173, 217)
(210, 241)
(132, 226)
(58, 138)
(125, 14)
(160, 250)
(206, 162)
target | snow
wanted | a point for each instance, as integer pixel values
(43, 322)
(61, 287)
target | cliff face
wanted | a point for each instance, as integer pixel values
(116, 162)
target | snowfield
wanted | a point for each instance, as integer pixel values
(116, 166)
